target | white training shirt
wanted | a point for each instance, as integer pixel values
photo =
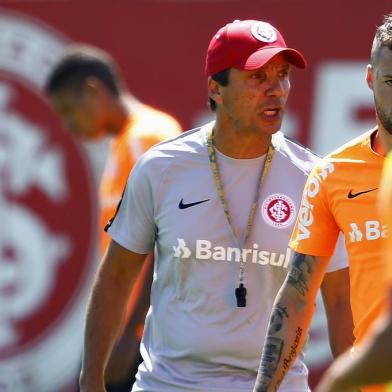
(196, 338)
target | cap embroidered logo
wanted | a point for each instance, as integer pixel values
(264, 32)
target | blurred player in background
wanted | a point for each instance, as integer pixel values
(218, 204)
(342, 195)
(86, 90)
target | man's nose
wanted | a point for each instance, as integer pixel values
(277, 87)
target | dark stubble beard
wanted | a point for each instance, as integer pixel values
(384, 117)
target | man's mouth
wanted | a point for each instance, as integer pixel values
(272, 113)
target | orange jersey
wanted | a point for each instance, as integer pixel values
(146, 127)
(386, 209)
(341, 194)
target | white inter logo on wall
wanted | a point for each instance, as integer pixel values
(44, 273)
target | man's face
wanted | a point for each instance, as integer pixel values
(255, 100)
(379, 79)
(79, 112)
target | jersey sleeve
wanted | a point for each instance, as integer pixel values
(386, 208)
(339, 259)
(316, 232)
(133, 225)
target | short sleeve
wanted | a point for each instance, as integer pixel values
(133, 226)
(315, 232)
(385, 207)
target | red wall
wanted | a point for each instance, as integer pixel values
(160, 46)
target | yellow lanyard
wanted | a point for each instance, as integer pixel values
(241, 290)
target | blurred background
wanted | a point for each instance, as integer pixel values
(48, 179)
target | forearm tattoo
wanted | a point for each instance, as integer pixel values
(293, 350)
(275, 343)
(300, 270)
(291, 356)
(272, 351)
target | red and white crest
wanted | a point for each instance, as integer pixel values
(264, 32)
(278, 210)
(47, 212)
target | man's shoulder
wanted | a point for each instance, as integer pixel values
(148, 122)
(345, 161)
(353, 149)
(173, 149)
(179, 152)
(294, 153)
(186, 142)
(143, 109)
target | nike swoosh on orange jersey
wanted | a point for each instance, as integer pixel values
(352, 195)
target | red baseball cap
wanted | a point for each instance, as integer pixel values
(247, 45)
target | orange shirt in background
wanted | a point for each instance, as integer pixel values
(342, 194)
(144, 128)
(386, 209)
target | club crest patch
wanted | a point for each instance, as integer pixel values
(278, 211)
(264, 32)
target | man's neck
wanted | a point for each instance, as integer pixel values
(240, 144)
(384, 139)
(119, 116)
(377, 144)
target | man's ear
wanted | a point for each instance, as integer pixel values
(370, 76)
(214, 91)
(93, 88)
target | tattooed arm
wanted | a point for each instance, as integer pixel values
(290, 320)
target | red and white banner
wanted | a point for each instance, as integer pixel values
(47, 214)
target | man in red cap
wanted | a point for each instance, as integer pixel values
(217, 204)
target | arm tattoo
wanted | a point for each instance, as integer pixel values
(275, 343)
(272, 351)
(291, 356)
(293, 350)
(298, 275)
(277, 319)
